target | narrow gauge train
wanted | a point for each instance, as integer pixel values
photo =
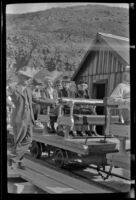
(62, 137)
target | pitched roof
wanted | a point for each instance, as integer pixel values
(120, 45)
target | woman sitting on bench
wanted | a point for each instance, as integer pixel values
(50, 93)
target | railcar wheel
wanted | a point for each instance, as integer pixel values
(59, 158)
(36, 149)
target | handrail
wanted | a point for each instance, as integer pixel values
(117, 103)
(93, 102)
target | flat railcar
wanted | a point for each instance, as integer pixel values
(73, 116)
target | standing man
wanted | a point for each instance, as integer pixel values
(22, 116)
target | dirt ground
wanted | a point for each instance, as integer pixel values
(19, 186)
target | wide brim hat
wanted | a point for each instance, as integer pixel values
(37, 82)
(82, 82)
(47, 78)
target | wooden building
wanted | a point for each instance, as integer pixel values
(103, 64)
(102, 67)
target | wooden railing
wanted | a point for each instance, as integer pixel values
(121, 131)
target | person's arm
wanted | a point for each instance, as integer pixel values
(44, 94)
(117, 92)
(64, 93)
(87, 94)
(77, 95)
(55, 95)
(9, 102)
(117, 97)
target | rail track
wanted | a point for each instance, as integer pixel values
(73, 178)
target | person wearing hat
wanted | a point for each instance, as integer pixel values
(48, 93)
(72, 89)
(122, 94)
(82, 91)
(22, 118)
(59, 88)
(36, 94)
(65, 89)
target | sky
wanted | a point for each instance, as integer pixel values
(33, 7)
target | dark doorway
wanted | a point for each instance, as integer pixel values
(99, 92)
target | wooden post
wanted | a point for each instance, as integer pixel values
(71, 116)
(122, 149)
(48, 110)
(70, 127)
(108, 120)
(120, 131)
(60, 110)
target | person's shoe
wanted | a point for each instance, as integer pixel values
(88, 133)
(39, 124)
(55, 125)
(21, 166)
(61, 133)
(48, 129)
(53, 130)
(79, 133)
(13, 151)
(94, 133)
(83, 133)
(74, 133)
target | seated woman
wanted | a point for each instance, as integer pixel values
(36, 106)
(48, 93)
(83, 93)
(73, 89)
(65, 89)
(59, 87)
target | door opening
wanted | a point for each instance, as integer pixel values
(99, 92)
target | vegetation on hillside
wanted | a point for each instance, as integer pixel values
(57, 39)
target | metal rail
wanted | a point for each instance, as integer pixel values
(72, 172)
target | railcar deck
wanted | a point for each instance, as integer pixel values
(77, 145)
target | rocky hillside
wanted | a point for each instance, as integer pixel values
(57, 39)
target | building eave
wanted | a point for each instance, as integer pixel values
(101, 39)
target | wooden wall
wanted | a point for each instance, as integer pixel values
(101, 64)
